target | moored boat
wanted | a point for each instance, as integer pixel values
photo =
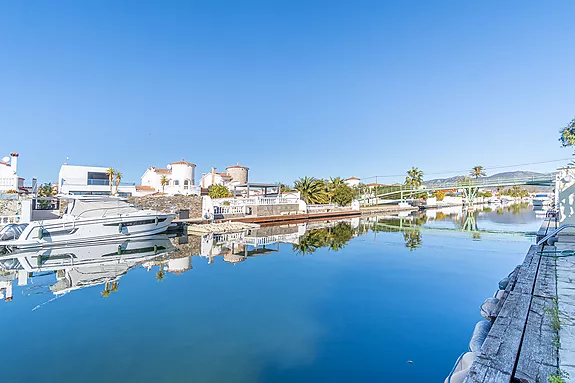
(89, 219)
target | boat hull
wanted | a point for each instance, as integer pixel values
(85, 231)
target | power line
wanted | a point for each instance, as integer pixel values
(466, 170)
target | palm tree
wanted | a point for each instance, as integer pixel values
(114, 287)
(414, 177)
(118, 179)
(106, 291)
(110, 173)
(337, 181)
(164, 181)
(160, 274)
(311, 190)
(477, 171)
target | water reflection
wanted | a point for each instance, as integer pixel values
(59, 271)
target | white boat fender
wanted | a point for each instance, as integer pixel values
(461, 368)
(457, 377)
(489, 308)
(503, 283)
(499, 294)
(479, 335)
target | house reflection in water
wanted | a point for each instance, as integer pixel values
(237, 247)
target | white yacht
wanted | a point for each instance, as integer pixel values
(87, 219)
(542, 199)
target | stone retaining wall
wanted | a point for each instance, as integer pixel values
(8, 207)
(170, 203)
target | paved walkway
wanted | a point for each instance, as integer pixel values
(566, 303)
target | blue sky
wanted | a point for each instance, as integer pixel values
(288, 88)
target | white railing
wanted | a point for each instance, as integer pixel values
(8, 182)
(222, 202)
(6, 219)
(262, 241)
(218, 238)
(229, 210)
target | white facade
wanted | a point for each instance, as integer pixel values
(352, 181)
(213, 178)
(565, 195)
(9, 179)
(180, 176)
(89, 180)
(234, 175)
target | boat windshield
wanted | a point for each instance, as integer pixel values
(99, 208)
(12, 231)
(541, 196)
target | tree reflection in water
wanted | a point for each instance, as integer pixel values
(412, 239)
(334, 238)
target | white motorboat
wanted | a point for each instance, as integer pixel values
(542, 199)
(87, 219)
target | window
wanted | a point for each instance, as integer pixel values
(96, 178)
(186, 184)
(176, 183)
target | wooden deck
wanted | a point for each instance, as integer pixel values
(299, 217)
(520, 346)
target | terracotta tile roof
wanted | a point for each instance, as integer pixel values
(237, 166)
(352, 178)
(4, 163)
(145, 188)
(224, 175)
(182, 162)
(161, 171)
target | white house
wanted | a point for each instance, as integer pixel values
(352, 181)
(179, 176)
(89, 180)
(234, 175)
(9, 179)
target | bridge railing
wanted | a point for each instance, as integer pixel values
(472, 183)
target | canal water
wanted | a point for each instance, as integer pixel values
(383, 299)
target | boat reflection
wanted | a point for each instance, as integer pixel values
(60, 270)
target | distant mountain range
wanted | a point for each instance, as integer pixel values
(517, 174)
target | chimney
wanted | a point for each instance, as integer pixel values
(213, 175)
(14, 165)
(14, 162)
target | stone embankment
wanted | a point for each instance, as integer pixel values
(170, 203)
(8, 207)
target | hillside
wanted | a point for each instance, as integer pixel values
(510, 175)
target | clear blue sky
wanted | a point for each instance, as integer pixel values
(288, 88)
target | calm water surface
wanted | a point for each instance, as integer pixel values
(353, 301)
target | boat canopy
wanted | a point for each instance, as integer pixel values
(89, 208)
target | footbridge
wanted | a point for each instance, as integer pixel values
(469, 187)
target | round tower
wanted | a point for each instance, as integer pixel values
(183, 174)
(238, 173)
